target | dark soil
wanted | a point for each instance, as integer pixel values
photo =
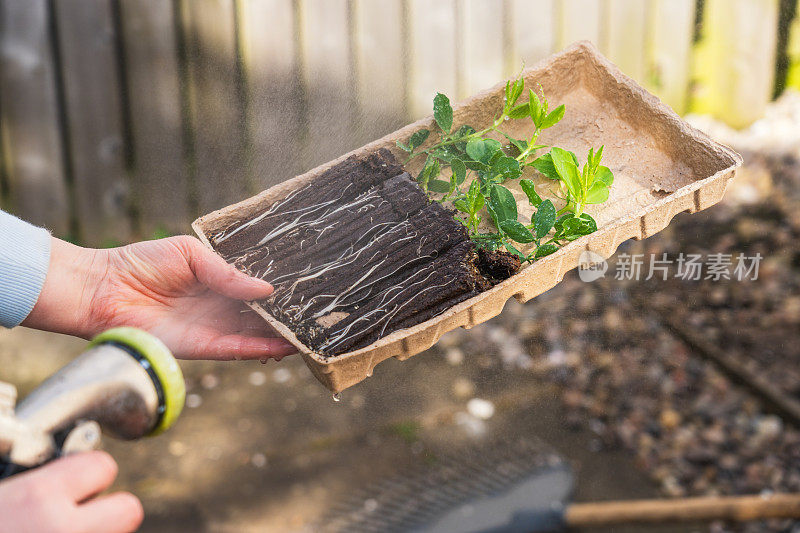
(497, 264)
(359, 253)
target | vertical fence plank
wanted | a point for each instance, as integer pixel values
(480, 46)
(793, 51)
(577, 20)
(735, 60)
(30, 121)
(670, 28)
(623, 36)
(94, 117)
(328, 79)
(533, 34)
(380, 66)
(269, 49)
(4, 199)
(433, 54)
(215, 108)
(160, 184)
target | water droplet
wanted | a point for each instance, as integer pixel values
(193, 401)
(506, 117)
(337, 397)
(281, 375)
(257, 379)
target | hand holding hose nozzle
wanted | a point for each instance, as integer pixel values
(126, 383)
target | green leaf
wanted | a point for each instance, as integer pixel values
(519, 111)
(546, 249)
(475, 165)
(536, 109)
(530, 191)
(544, 218)
(461, 205)
(604, 175)
(439, 186)
(516, 91)
(403, 146)
(480, 200)
(585, 177)
(563, 218)
(544, 164)
(490, 240)
(463, 131)
(589, 222)
(569, 227)
(482, 150)
(430, 170)
(435, 168)
(597, 157)
(502, 203)
(443, 112)
(597, 194)
(492, 214)
(474, 190)
(445, 153)
(507, 167)
(516, 231)
(476, 149)
(553, 118)
(514, 251)
(459, 170)
(485, 179)
(423, 175)
(419, 137)
(492, 147)
(520, 144)
(475, 197)
(567, 170)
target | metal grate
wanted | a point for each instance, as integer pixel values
(419, 497)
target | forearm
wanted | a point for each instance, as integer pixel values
(24, 259)
(174, 288)
(66, 298)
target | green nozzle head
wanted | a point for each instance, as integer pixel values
(163, 365)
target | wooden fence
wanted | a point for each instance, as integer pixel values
(124, 119)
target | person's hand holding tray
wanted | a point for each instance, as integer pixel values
(380, 252)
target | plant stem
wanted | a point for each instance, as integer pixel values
(450, 141)
(521, 157)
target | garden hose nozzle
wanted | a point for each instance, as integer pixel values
(126, 382)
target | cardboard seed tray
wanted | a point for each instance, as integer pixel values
(662, 167)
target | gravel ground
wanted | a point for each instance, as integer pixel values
(265, 448)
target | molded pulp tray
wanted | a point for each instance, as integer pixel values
(662, 167)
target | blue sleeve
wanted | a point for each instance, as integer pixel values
(24, 259)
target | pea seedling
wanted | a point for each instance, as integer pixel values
(466, 150)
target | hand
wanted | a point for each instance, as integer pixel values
(175, 288)
(59, 498)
